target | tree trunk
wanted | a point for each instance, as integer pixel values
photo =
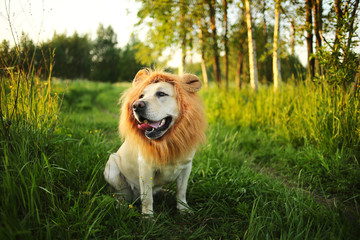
(339, 15)
(183, 39)
(239, 69)
(317, 9)
(309, 38)
(276, 59)
(266, 62)
(203, 62)
(252, 52)
(215, 48)
(292, 37)
(226, 45)
(183, 56)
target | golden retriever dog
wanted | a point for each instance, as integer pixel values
(162, 123)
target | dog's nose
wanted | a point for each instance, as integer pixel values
(139, 105)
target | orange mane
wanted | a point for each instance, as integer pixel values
(187, 132)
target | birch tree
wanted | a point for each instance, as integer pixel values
(276, 59)
(200, 13)
(252, 50)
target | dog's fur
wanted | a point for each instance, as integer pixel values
(147, 160)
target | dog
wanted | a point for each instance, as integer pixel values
(162, 123)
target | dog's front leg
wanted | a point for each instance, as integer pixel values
(181, 186)
(146, 183)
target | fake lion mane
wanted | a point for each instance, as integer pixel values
(188, 131)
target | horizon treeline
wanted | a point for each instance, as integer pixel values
(77, 56)
(74, 57)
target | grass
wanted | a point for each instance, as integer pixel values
(270, 165)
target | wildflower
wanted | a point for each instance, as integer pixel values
(90, 132)
(45, 83)
(151, 178)
(96, 131)
(130, 206)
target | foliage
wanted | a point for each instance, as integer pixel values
(338, 55)
(76, 56)
(106, 57)
(72, 55)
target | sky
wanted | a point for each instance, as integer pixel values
(41, 18)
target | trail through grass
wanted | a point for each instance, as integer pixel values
(56, 190)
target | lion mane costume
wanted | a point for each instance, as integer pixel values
(188, 132)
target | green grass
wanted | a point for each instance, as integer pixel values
(270, 164)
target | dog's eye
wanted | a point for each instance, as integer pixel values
(161, 94)
(141, 96)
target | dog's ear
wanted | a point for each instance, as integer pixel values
(191, 82)
(140, 76)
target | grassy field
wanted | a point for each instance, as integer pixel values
(276, 166)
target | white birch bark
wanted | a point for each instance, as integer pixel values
(252, 50)
(182, 63)
(203, 62)
(276, 58)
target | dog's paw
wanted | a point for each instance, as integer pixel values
(149, 217)
(184, 209)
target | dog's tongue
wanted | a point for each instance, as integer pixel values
(149, 125)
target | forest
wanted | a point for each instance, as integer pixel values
(256, 43)
(281, 159)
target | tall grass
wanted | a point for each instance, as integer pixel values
(55, 189)
(28, 115)
(303, 113)
(26, 101)
(320, 123)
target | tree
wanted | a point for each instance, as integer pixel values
(226, 47)
(239, 47)
(128, 64)
(202, 50)
(317, 10)
(80, 57)
(338, 55)
(276, 58)
(72, 55)
(106, 56)
(292, 37)
(183, 35)
(252, 50)
(215, 48)
(266, 60)
(169, 25)
(309, 38)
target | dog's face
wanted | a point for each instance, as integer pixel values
(156, 110)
